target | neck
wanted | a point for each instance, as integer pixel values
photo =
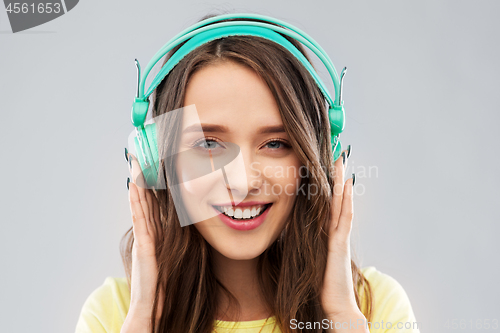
(240, 278)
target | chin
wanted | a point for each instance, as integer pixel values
(241, 253)
(239, 248)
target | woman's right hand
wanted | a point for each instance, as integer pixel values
(146, 224)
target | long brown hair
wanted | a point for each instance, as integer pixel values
(291, 270)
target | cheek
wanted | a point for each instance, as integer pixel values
(199, 194)
(196, 187)
(195, 197)
(193, 173)
(284, 177)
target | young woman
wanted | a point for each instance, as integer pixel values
(279, 259)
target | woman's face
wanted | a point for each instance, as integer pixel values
(241, 211)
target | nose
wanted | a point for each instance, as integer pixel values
(243, 176)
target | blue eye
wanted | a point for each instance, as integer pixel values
(277, 144)
(207, 144)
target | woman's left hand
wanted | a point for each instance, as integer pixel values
(337, 296)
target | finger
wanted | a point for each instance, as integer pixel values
(150, 222)
(346, 214)
(347, 152)
(156, 215)
(138, 217)
(139, 181)
(338, 189)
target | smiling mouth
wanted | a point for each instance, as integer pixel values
(243, 213)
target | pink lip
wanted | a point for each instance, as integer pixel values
(244, 204)
(247, 224)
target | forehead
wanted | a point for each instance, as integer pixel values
(232, 94)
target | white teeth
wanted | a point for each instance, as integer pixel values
(239, 213)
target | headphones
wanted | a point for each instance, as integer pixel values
(145, 137)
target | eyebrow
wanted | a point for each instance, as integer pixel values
(214, 128)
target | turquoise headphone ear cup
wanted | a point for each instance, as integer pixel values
(336, 114)
(153, 146)
(138, 150)
(147, 154)
(153, 142)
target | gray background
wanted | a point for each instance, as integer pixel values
(421, 96)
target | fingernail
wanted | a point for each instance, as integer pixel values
(348, 151)
(126, 154)
(343, 157)
(130, 162)
(128, 181)
(353, 179)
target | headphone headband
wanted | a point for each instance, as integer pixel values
(214, 31)
(234, 28)
(303, 38)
